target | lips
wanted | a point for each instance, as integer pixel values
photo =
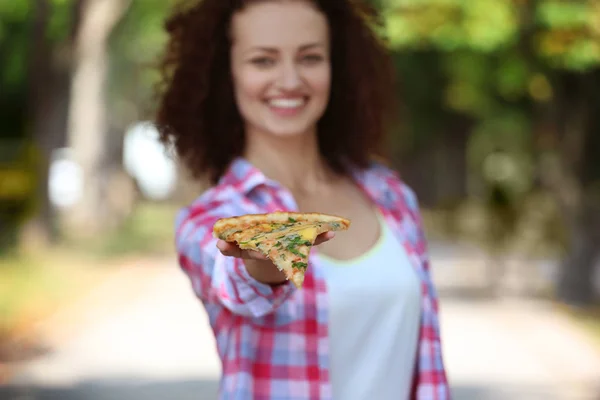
(287, 103)
(287, 107)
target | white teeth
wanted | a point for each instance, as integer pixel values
(286, 103)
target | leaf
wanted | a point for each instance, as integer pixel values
(490, 24)
(512, 77)
(482, 25)
(563, 14)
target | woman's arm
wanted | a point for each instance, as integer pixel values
(226, 280)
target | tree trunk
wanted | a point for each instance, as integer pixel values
(88, 126)
(570, 170)
(49, 80)
(576, 284)
(451, 169)
(437, 170)
(120, 190)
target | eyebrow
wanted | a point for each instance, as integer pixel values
(274, 50)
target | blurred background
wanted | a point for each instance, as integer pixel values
(499, 137)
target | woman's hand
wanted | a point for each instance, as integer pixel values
(258, 265)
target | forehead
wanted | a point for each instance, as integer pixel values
(279, 24)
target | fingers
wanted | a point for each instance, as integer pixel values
(253, 255)
(228, 249)
(324, 237)
(231, 250)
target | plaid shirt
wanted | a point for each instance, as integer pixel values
(273, 341)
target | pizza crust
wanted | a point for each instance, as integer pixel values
(223, 228)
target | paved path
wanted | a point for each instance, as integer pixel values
(158, 346)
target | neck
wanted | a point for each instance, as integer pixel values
(295, 162)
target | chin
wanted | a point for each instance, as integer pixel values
(291, 130)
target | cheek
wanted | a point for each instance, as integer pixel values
(321, 85)
(249, 86)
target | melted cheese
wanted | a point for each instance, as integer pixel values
(309, 233)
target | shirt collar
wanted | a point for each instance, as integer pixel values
(375, 181)
(244, 176)
(380, 184)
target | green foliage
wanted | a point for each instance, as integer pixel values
(494, 62)
(482, 25)
(485, 42)
(567, 32)
(13, 47)
(471, 86)
(135, 46)
(14, 11)
(512, 76)
(422, 82)
(16, 25)
(141, 35)
(563, 14)
(569, 35)
(61, 20)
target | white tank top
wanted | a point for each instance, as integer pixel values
(374, 319)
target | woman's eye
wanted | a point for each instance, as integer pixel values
(263, 61)
(312, 58)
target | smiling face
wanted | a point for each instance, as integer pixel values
(280, 66)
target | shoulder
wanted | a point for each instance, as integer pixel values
(219, 201)
(402, 203)
(381, 173)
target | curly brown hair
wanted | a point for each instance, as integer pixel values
(197, 111)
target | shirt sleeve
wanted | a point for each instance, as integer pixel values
(217, 279)
(430, 376)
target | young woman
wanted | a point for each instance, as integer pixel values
(282, 104)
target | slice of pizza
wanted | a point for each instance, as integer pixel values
(283, 237)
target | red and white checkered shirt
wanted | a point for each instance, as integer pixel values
(273, 341)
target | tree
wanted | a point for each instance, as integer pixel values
(527, 73)
(118, 56)
(48, 96)
(16, 185)
(34, 54)
(88, 117)
(44, 49)
(569, 44)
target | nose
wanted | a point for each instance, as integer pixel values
(290, 77)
